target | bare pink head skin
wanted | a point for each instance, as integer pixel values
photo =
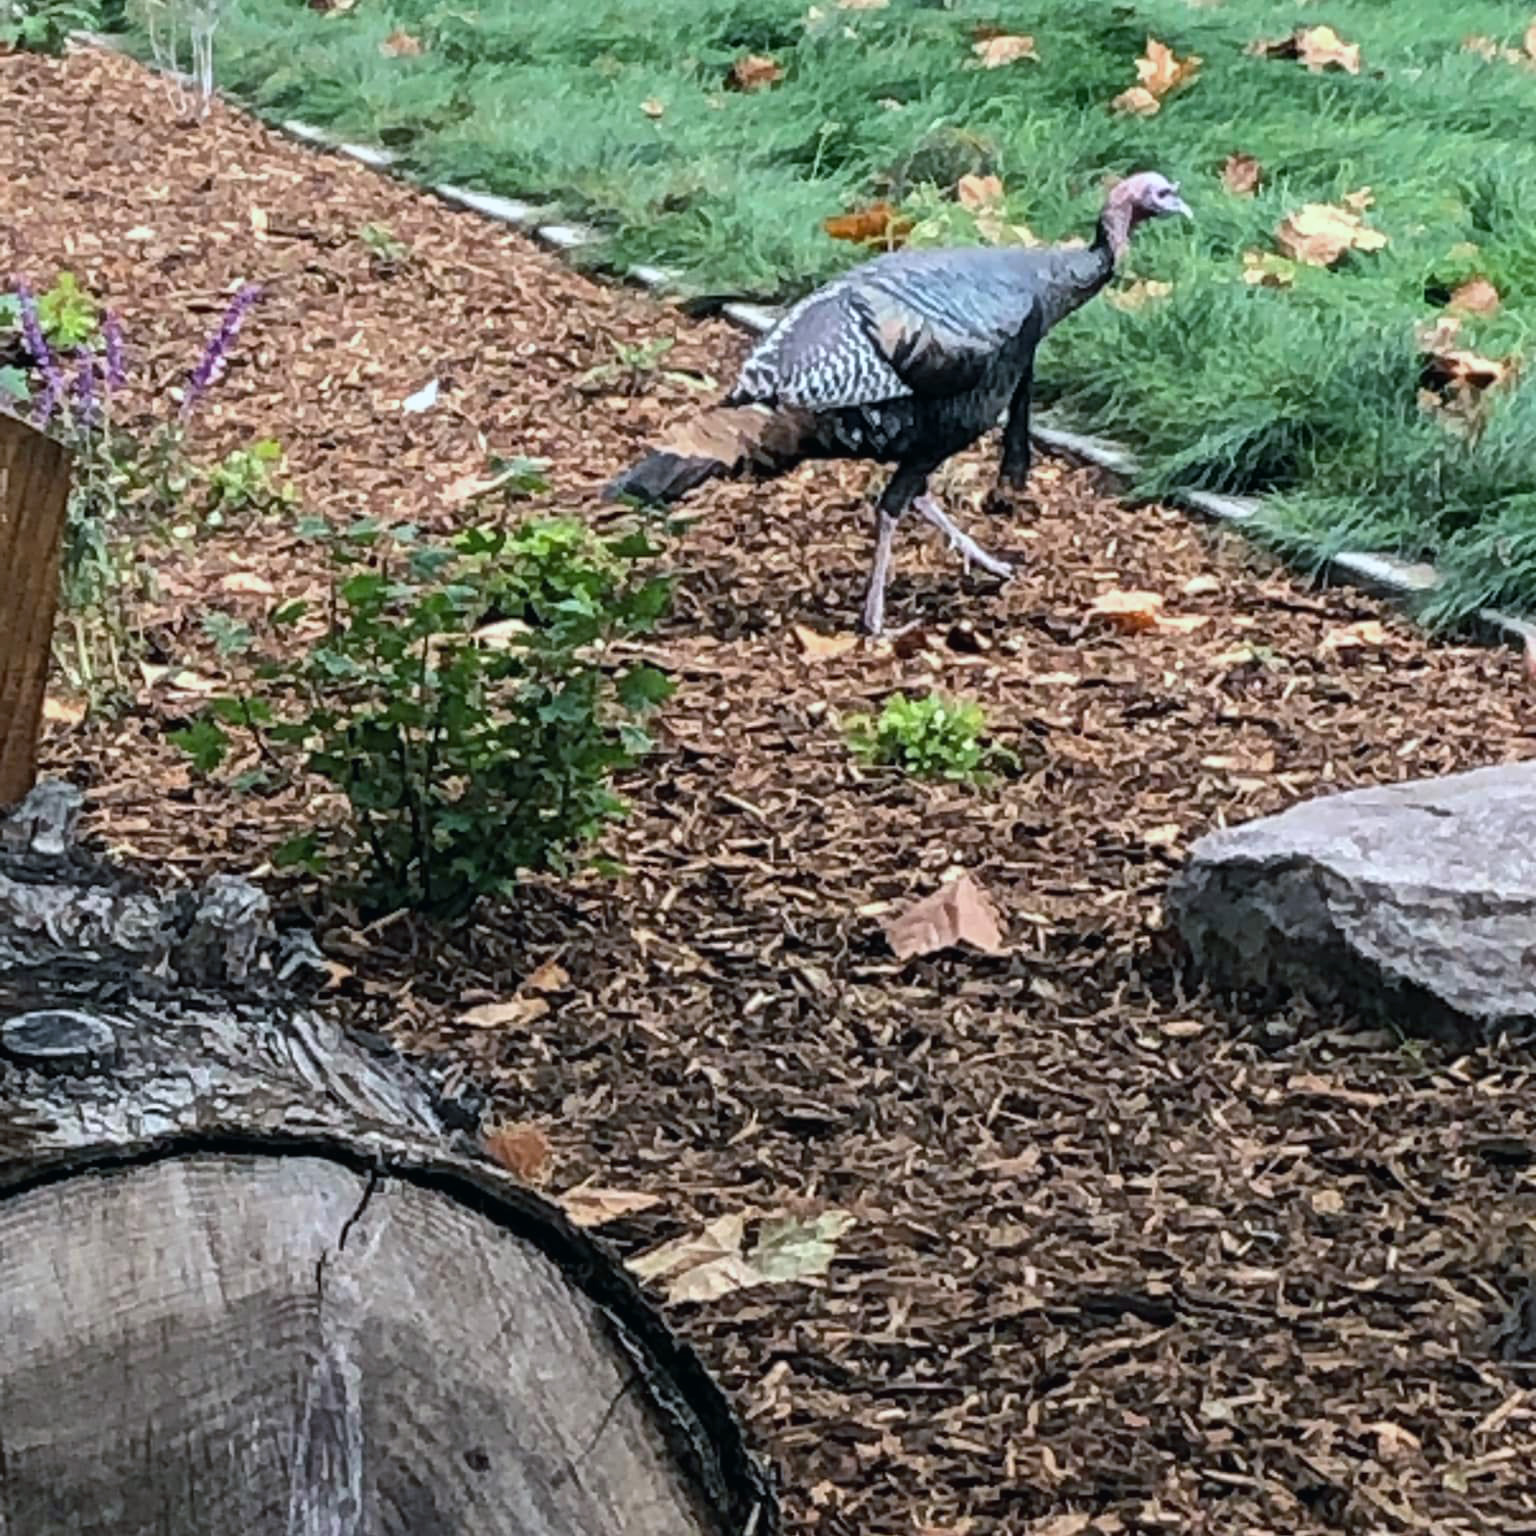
(1146, 195)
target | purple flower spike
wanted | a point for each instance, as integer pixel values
(85, 387)
(112, 340)
(37, 345)
(53, 394)
(218, 346)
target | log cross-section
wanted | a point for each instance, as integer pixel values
(34, 499)
(249, 1283)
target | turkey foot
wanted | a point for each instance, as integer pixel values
(970, 551)
(1005, 500)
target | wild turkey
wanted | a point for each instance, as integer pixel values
(905, 359)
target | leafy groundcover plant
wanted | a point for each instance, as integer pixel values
(468, 698)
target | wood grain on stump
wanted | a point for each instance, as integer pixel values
(248, 1283)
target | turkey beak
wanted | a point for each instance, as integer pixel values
(1178, 205)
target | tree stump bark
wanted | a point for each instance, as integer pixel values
(249, 1283)
(34, 498)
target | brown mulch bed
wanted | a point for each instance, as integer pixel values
(1122, 1262)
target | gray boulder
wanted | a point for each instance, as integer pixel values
(1413, 905)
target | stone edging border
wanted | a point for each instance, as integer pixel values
(1382, 573)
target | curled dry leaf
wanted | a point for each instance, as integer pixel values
(1159, 72)
(754, 72)
(515, 1013)
(815, 646)
(58, 711)
(958, 913)
(1352, 640)
(1264, 269)
(400, 44)
(523, 1150)
(1004, 48)
(1318, 48)
(590, 1207)
(1476, 296)
(1132, 613)
(1318, 234)
(653, 108)
(246, 584)
(1241, 175)
(549, 977)
(1138, 294)
(878, 224)
(1451, 371)
(979, 192)
(711, 1264)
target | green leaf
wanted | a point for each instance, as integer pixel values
(13, 385)
(644, 687)
(204, 742)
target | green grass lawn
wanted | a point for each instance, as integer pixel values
(1308, 394)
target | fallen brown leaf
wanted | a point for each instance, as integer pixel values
(1530, 41)
(1138, 100)
(1159, 72)
(1138, 294)
(62, 711)
(515, 1013)
(754, 72)
(1132, 613)
(1318, 234)
(589, 1207)
(523, 1150)
(1530, 655)
(816, 646)
(1265, 269)
(1351, 640)
(1006, 48)
(246, 584)
(1476, 296)
(878, 224)
(1241, 175)
(979, 192)
(960, 912)
(652, 107)
(400, 44)
(1318, 48)
(1327, 1202)
(549, 977)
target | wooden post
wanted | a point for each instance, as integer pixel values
(34, 497)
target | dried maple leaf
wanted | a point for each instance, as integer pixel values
(400, 44)
(523, 1150)
(1360, 199)
(246, 584)
(1476, 296)
(1138, 294)
(754, 72)
(1139, 100)
(1005, 48)
(1132, 613)
(815, 646)
(1485, 47)
(1318, 48)
(515, 1013)
(1318, 234)
(878, 224)
(1161, 71)
(1351, 640)
(653, 108)
(978, 192)
(589, 1207)
(1241, 175)
(957, 913)
(1265, 269)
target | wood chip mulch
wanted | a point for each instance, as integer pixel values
(1121, 1261)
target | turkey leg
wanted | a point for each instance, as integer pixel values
(970, 551)
(907, 483)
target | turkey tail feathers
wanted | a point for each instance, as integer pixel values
(720, 444)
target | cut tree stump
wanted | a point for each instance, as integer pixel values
(34, 498)
(248, 1282)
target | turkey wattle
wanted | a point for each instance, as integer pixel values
(906, 359)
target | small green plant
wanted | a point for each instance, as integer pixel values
(68, 314)
(464, 699)
(43, 26)
(386, 250)
(634, 365)
(932, 737)
(248, 479)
